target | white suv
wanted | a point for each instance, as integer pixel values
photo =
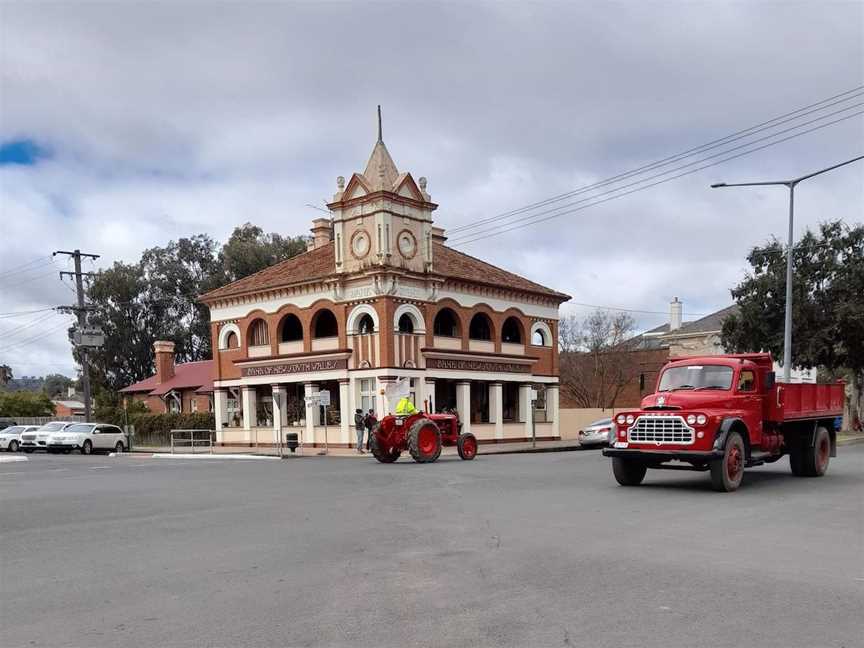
(87, 438)
(10, 437)
(38, 438)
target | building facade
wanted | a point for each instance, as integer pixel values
(174, 388)
(378, 301)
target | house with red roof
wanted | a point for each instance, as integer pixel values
(180, 388)
(380, 307)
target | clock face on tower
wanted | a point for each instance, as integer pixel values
(407, 244)
(360, 244)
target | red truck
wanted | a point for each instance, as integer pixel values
(723, 414)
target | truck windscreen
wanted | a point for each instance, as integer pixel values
(696, 377)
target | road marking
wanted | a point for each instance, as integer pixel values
(98, 467)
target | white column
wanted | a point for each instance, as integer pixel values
(496, 408)
(382, 407)
(250, 414)
(220, 412)
(278, 412)
(525, 407)
(552, 409)
(345, 416)
(429, 394)
(463, 404)
(312, 413)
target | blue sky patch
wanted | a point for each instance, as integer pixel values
(23, 151)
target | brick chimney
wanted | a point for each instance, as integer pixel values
(676, 313)
(438, 235)
(164, 350)
(321, 230)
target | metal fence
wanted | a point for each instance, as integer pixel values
(191, 439)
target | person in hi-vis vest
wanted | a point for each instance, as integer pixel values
(405, 407)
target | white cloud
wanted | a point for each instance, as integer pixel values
(168, 120)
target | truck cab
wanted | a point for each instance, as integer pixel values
(722, 414)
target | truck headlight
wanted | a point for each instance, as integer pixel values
(630, 419)
(691, 419)
(701, 419)
(621, 419)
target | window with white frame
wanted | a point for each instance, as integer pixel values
(367, 394)
(193, 404)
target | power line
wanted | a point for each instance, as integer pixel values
(20, 313)
(15, 346)
(747, 132)
(26, 325)
(25, 267)
(485, 234)
(629, 310)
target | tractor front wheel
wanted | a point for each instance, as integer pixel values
(466, 445)
(424, 441)
(380, 453)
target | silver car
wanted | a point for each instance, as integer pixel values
(600, 432)
(38, 438)
(10, 437)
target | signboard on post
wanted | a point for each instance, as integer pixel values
(88, 338)
(324, 397)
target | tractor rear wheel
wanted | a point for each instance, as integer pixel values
(380, 453)
(424, 441)
(466, 445)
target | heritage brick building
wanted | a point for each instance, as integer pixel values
(379, 298)
(181, 388)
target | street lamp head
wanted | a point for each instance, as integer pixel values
(718, 185)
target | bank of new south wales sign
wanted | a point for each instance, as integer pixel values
(303, 366)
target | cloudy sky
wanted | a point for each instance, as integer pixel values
(126, 125)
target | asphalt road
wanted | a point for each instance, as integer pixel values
(517, 550)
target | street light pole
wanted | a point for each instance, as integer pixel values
(787, 326)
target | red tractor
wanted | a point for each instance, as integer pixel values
(421, 434)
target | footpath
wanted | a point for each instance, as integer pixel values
(569, 445)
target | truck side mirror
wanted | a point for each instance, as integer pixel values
(770, 379)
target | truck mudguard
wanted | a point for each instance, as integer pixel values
(723, 432)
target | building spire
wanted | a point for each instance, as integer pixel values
(380, 138)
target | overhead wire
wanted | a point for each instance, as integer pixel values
(533, 220)
(747, 132)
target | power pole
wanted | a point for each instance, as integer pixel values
(81, 311)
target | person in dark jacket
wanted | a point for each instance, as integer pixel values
(370, 421)
(359, 426)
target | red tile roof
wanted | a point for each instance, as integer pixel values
(308, 266)
(188, 375)
(320, 263)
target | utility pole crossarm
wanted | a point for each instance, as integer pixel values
(76, 252)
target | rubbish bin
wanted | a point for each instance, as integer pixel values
(291, 441)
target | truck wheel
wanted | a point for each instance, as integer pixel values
(466, 445)
(628, 472)
(87, 448)
(424, 441)
(796, 458)
(815, 459)
(380, 453)
(13, 446)
(728, 471)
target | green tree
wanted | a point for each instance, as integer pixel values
(827, 303)
(250, 250)
(56, 385)
(23, 403)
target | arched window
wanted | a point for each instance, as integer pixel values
(480, 328)
(406, 324)
(231, 341)
(325, 324)
(258, 333)
(446, 323)
(538, 338)
(366, 324)
(511, 332)
(292, 329)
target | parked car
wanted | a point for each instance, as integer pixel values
(38, 438)
(598, 433)
(7, 423)
(88, 438)
(10, 437)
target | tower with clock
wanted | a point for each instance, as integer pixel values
(382, 219)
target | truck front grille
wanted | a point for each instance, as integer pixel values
(660, 429)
